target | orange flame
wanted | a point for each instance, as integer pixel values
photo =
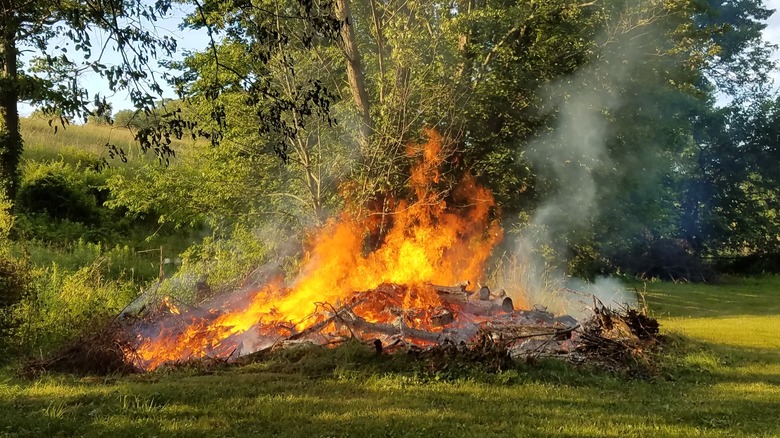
(429, 242)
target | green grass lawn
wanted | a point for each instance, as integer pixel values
(722, 380)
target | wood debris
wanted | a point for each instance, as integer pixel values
(480, 324)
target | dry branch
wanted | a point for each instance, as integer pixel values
(359, 324)
(337, 314)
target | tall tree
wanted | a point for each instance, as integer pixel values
(264, 85)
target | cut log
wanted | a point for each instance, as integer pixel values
(359, 324)
(442, 317)
(482, 294)
(481, 308)
(489, 308)
(505, 303)
(451, 294)
(479, 303)
(459, 289)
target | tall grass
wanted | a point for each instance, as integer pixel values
(74, 143)
(85, 267)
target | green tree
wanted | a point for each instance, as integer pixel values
(264, 87)
(679, 157)
(56, 31)
(496, 77)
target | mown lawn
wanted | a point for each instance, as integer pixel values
(721, 381)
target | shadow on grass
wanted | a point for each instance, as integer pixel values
(350, 392)
(730, 364)
(271, 404)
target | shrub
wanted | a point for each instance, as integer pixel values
(63, 304)
(14, 279)
(14, 289)
(228, 260)
(59, 198)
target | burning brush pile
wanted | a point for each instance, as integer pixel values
(420, 289)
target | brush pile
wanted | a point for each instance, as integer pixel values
(479, 326)
(100, 351)
(619, 338)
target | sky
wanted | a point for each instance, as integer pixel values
(772, 32)
(198, 40)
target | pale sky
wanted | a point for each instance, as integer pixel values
(194, 41)
(772, 32)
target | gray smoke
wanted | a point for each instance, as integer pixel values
(573, 164)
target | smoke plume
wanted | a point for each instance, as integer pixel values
(573, 165)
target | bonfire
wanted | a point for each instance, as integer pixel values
(422, 287)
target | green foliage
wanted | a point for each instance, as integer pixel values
(61, 202)
(731, 199)
(14, 281)
(149, 119)
(511, 85)
(63, 304)
(52, 195)
(132, 119)
(231, 259)
(48, 77)
(67, 199)
(67, 259)
(15, 289)
(206, 185)
(116, 262)
(223, 262)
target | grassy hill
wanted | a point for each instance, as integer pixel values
(73, 142)
(65, 209)
(723, 380)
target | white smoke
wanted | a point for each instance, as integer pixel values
(572, 161)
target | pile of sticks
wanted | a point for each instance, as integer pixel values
(460, 320)
(463, 318)
(619, 338)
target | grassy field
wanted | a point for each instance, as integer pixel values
(79, 142)
(722, 380)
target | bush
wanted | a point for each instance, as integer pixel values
(753, 264)
(14, 289)
(58, 198)
(60, 203)
(662, 258)
(227, 260)
(14, 279)
(63, 304)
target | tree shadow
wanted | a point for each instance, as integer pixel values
(240, 403)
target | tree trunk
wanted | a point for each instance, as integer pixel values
(10, 137)
(357, 81)
(463, 69)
